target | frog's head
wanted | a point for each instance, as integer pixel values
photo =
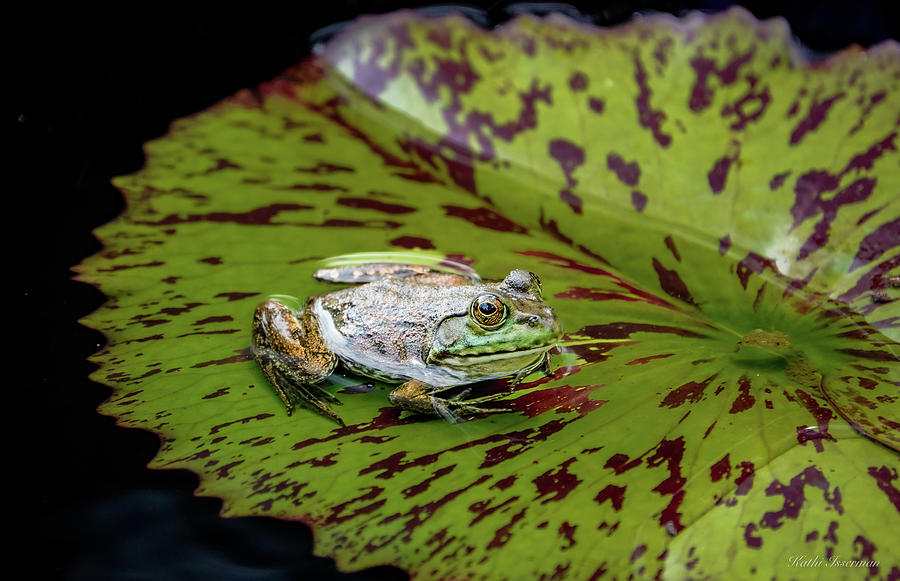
(507, 328)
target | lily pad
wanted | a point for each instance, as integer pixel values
(715, 222)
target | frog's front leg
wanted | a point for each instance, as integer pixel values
(293, 356)
(418, 396)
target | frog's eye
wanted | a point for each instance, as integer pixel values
(488, 311)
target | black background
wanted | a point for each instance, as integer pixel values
(88, 88)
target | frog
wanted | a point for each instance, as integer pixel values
(428, 330)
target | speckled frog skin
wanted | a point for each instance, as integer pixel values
(429, 331)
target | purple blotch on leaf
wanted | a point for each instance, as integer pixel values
(671, 283)
(701, 94)
(569, 157)
(884, 238)
(578, 81)
(818, 110)
(596, 104)
(724, 244)
(638, 200)
(648, 116)
(778, 179)
(628, 173)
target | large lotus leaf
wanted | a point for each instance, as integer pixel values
(715, 222)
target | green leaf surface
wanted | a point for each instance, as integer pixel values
(715, 222)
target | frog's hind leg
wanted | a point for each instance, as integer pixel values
(293, 357)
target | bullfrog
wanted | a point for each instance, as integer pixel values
(428, 330)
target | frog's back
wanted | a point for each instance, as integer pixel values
(383, 329)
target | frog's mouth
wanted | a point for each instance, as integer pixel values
(485, 366)
(480, 358)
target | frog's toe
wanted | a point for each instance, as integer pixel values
(454, 411)
(461, 396)
(296, 393)
(308, 396)
(311, 397)
(309, 391)
(461, 399)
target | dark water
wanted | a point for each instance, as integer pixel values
(88, 89)
(167, 534)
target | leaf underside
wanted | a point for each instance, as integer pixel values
(715, 222)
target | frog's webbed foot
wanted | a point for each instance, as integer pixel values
(280, 370)
(420, 397)
(293, 357)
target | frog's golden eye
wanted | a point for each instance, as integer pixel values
(488, 311)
